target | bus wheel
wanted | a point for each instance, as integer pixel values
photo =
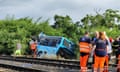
(39, 54)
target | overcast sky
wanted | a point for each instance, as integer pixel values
(76, 9)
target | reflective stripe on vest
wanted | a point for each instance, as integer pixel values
(84, 47)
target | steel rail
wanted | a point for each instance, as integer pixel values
(70, 64)
(20, 68)
(48, 62)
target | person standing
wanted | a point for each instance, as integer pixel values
(118, 55)
(18, 50)
(116, 46)
(100, 52)
(85, 49)
(109, 51)
(118, 63)
(93, 42)
(33, 45)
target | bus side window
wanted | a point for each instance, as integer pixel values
(59, 41)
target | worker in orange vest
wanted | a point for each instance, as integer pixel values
(101, 46)
(85, 49)
(33, 45)
(118, 64)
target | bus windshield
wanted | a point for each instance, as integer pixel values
(48, 41)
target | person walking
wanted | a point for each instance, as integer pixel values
(100, 52)
(85, 49)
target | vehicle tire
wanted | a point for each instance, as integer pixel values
(60, 54)
(39, 54)
(63, 53)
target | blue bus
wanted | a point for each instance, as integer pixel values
(55, 46)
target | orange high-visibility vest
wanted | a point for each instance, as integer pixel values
(33, 46)
(84, 47)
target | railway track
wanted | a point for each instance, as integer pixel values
(37, 63)
(19, 68)
(60, 64)
(49, 62)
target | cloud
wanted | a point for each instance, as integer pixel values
(76, 9)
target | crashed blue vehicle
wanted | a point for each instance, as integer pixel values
(55, 46)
